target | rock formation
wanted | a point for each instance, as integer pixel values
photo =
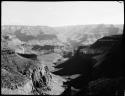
(100, 74)
(26, 76)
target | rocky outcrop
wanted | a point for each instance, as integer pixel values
(106, 43)
(26, 76)
(100, 74)
(110, 64)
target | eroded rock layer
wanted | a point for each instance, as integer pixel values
(26, 76)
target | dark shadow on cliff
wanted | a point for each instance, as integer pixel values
(78, 64)
(109, 66)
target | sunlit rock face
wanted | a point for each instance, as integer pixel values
(46, 83)
(23, 90)
(24, 76)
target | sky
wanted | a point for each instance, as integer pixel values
(62, 13)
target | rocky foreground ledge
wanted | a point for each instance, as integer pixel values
(25, 76)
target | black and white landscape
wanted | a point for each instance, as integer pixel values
(71, 59)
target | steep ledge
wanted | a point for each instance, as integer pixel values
(99, 73)
(24, 76)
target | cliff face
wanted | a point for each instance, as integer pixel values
(93, 53)
(110, 63)
(100, 73)
(108, 73)
(105, 43)
(22, 75)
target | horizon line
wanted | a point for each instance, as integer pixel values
(57, 26)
